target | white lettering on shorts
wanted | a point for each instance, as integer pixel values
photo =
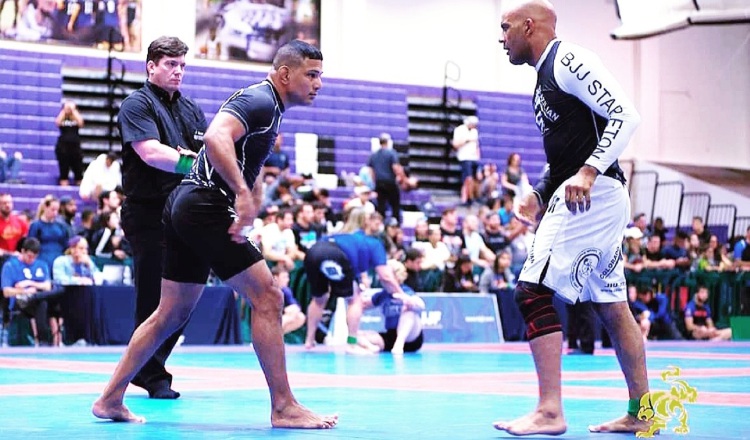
(332, 270)
(583, 265)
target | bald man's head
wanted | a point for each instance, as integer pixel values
(528, 26)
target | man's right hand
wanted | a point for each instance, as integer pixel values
(245, 211)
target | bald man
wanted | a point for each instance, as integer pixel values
(586, 121)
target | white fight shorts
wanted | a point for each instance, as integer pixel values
(584, 250)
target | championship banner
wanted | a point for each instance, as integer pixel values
(451, 317)
(246, 30)
(99, 24)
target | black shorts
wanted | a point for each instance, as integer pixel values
(327, 266)
(196, 225)
(389, 337)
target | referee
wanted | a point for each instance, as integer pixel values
(161, 132)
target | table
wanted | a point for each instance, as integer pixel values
(105, 315)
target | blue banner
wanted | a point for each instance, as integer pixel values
(451, 317)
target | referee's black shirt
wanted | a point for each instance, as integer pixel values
(148, 113)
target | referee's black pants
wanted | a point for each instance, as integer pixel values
(142, 224)
(389, 193)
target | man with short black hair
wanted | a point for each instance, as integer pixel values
(162, 130)
(388, 172)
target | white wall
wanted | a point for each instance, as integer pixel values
(691, 86)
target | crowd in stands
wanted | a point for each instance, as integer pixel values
(476, 248)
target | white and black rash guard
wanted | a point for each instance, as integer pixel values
(583, 114)
(259, 108)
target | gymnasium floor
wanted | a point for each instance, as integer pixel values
(443, 392)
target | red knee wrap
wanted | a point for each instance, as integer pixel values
(535, 302)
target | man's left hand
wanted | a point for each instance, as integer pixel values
(578, 189)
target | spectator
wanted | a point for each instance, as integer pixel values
(679, 252)
(700, 230)
(86, 228)
(395, 240)
(632, 253)
(640, 221)
(488, 188)
(741, 253)
(413, 264)
(451, 235)
(421, 230)
(498, 276)
(466, 143)
(13, 228)
(494, 235)
(75, 267)
(68, 211)
(698, 319)
(306, 231)
(659, 229)
(108, 241)
(277, 163)
(278, 241)
(36, 21)
(10, 167)
(26, 281)
(103, 174)
(481, 256)
(110, 201)
(361, 199)
(435, 252)
(52, 234)
(514, 179)
(461, 277)
(292, 317)
(505, 211)
(653, 258)
(713, 257)
(657, 307)
(68, 148)
(388, 175)
(402, 313)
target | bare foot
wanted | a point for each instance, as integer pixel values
(309, 345)
(117, 413)
(297, 416)
(537, 422)
(397, 350)
(625, 423)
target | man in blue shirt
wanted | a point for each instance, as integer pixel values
(334, 265)
(26, 281)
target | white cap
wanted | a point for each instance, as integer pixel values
(633, 232)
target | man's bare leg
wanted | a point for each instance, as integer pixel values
(354, 310)
(548, 417)
(266, 299)
(314, 316)
(628, 344)
(176, 304)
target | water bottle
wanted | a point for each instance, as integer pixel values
(127, 276)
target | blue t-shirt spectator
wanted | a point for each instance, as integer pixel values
(15, 270)
(700, 314)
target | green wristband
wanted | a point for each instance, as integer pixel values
(351, 340)
(633, 406)
(184, 164)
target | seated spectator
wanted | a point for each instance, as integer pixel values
(395, 239)
(306, 231)
(632, 252)
(413, 264)
(421, 230)
(10, 167)
(659, 229)
(653, 258)
(402, 313)
(679, 252)
(27, 282)
(498, 276)
(506, 209)
(86, 227)
(75, 267)
(481, 256)
(102, 174)
(13, 228)
(451, 234)
(361, 199)
(68, 211)
(495, 236)
(52, 234)
(109, 201)
(277, 163)
(657, 307)
(435, 252)
(640, 312)
(713, 257)
(698, 319)
(742, 252)
(514, 179)
(700, 230)
(461, 277)
(277, 241)
(108, 241)
(488, 187)
(292, 317)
